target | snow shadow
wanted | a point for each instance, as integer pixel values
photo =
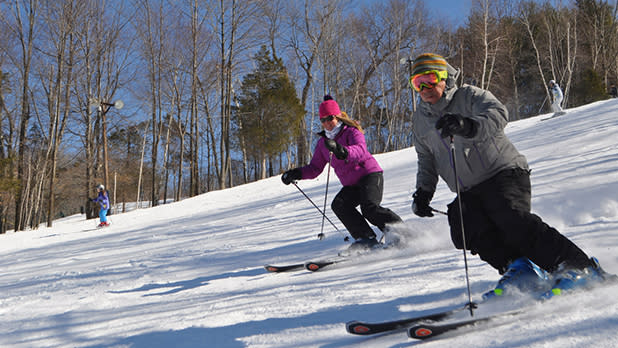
(233, 336)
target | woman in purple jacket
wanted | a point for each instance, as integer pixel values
(342, 143)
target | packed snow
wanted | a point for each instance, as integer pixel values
(190, 274)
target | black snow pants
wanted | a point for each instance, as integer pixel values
(500, 228)
(368, 194)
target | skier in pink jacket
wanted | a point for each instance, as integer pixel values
(342, 143)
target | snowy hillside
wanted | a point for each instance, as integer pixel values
(190, 274)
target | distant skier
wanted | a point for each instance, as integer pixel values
(557, 96)
(103, 201)
(494, 181)
(342, 143)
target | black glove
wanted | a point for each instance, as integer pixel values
(291, 175)
(420, 204)
(453, 124)
(337, 149)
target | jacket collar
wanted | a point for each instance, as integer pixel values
(322, 133)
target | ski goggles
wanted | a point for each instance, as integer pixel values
(327, 118)
(427, 79)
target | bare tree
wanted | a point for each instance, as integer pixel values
(177, 92)
(526, 18)
(485, 40)
(307, 30)
(8, 120)
(57, 81)
(232, 25)
(104, 55)
(23, 30)
(599, 31)
(379, 35)
(152, 30)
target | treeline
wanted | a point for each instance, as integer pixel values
(218, 93)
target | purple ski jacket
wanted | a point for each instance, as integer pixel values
(349, 171)
(102, 199)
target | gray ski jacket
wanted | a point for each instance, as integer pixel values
(478, 158)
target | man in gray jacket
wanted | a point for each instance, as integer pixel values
(494, 182)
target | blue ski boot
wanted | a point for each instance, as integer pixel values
(523, 275)
(566, 280)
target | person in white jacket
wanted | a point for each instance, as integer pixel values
(557, 95)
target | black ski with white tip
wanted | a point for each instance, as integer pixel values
(363, 328)
(428, 330)
(312, 266)
(284, 268)
(315, 266)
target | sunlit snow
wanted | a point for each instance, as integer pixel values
(190, 274)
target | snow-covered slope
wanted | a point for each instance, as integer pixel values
(190, 274)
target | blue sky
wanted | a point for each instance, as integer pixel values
(455, 10)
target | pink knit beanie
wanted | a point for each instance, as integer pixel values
(329, 107)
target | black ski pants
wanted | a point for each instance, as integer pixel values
(368, 194)
(500, 228)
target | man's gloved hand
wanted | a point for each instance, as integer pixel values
(337, 149)
(420, 204)
(454, 124)
(291, 175)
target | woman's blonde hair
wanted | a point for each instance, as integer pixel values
(343, 117)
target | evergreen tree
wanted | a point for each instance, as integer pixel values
(589, 88)
(270, 113)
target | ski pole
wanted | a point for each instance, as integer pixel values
(318, 208)
(330, 159)
(439, 211)
(461, 221)
(541, 108)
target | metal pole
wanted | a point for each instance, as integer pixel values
(318, 208)
(115, 183)
(104, 131)
(330, 159)
(461, 221)
(541, 108)
(439, 211)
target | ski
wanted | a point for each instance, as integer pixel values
(284, 268)
(312, 266)
(362, 328)
(435, 324)
(428, 330)
(315, 266)
(556, 114)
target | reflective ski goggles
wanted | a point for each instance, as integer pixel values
(427, 79)
(327, 118)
